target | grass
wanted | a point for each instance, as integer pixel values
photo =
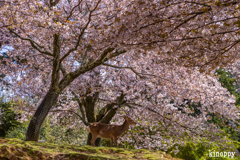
(14, 148)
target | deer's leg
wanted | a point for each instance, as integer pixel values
(111, 139)
(94, 137)
(115, 141)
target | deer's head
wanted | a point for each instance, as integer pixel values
(129, 120)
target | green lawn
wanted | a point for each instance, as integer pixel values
(11, 148)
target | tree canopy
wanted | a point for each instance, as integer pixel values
(155, 53)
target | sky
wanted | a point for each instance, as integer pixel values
(3, 91)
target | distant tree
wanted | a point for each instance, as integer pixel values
(230, 82)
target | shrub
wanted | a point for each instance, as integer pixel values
(8, 118)
(198, 150)
(58, 134)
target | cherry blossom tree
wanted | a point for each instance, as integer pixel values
(150, 94)
(62, 41)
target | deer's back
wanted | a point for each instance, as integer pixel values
(104, 130)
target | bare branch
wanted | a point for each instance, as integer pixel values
(187, 14)
(192, 17)
(62, 110)
(4, 26)
(141, 75)
(33, 43)
(224, 50)
(80, 35)
(83, 117)
(164, 117)
(71, 12)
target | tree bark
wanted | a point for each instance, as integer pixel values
(89, 105)
(97, 142)
(105, 115)
(58, 86)
(40, 115)
(51, 96)
(108, 117)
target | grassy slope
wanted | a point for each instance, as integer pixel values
(17, 149)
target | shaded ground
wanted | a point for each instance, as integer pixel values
(15, 149)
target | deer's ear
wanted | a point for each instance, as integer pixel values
(125, 117)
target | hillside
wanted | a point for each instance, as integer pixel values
(14, 149)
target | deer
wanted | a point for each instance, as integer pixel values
(109, 131)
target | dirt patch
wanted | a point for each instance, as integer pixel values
(15, 153)
(3, 141)
(105, 151)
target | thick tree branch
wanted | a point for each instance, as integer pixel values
(109, 111)
(107, 118)
(95, 97)
(82, 69)
(54, 3)
(56, 63)
(104, 110)
(63, 70)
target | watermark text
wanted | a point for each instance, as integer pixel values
(221, 154)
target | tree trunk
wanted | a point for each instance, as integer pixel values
(97, 142)
(40, 115)
(108, 117)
